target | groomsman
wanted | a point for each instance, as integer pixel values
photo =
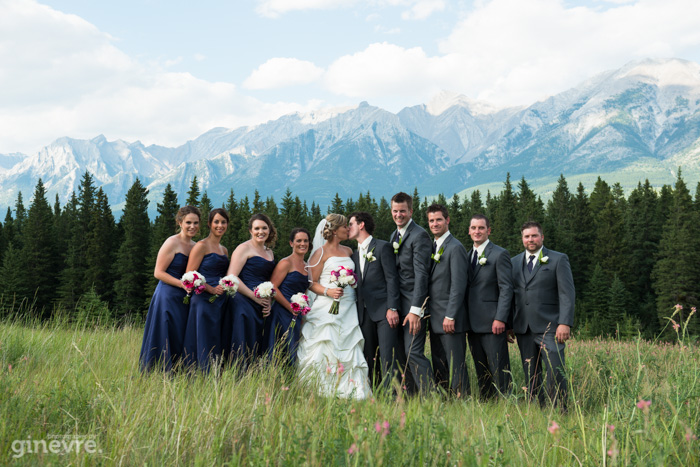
(544, 313)
(412, 246)
(490, 300)
(448, 315)
(377, 301)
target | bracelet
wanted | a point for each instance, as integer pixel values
(325, 291)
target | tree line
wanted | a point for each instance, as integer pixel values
(633, 258)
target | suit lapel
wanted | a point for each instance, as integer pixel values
(356, 260)
(487, 252)
(537, 266)
(520, 264)
(371, 245)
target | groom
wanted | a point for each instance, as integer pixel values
(377, 301)
(412, 247)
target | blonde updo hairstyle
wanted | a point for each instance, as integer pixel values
(333, 222)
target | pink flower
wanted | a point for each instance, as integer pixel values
(353, 449)
(689, 435)
(643, 405)
(613, 452)
(679, 307)
(378, 427)
(341, 368)
(329, 370)
(553, 428)
(676, 326)
(611, 428)
(285, 388)
(402, 423)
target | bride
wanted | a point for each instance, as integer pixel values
(330, 347)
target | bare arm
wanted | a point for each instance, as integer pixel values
(195, 261)
(283, 268)
(165, 257)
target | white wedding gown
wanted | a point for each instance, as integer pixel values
(330, 348)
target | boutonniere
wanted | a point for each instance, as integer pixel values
(543, 259)
(438, 255)
(482, 259)
(396, 245)
(369, 257)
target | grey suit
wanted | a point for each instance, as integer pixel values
(544, 299)
(448, 287)
(490, 297)
(413, 265)
(377, 291)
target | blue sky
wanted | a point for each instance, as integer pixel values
(163, 72)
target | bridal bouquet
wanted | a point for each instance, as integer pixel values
(300, 304)
(229, 284)
(265, 290)
(342, 277)
(193, 281)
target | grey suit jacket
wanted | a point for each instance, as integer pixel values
(413, 265)
(378, 285)
(490, 290)
(448, 286)
(546, 299)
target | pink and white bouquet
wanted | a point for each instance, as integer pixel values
(193, 281)
(341, 277)
(229, 284)
(265, 290)
(300, 304)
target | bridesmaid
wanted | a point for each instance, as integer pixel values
(166, 321)
(203, 338)
(253, 262)
(289, 278)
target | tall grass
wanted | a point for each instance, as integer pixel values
(60, 379)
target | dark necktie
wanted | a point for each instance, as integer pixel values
(475, 254)
(397, 237)
(434, 247)
(531, 263)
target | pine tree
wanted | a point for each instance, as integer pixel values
(205, 207)
(258, 205)
(229, 238)
(131, 270)
(618, 303)
(40, 253)
(100, 248)
(193, 194)
(581, 238)
(642, 236)
(505, 231)
(675, 275)
(164, 225)
(8, 231)
(19, 220)
(597, 302)
(529, 205)
(558, 218)
(336, 205)
(14, 290)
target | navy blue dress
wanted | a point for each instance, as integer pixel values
(203, 339)
(164, 334)
(277, 332)
(248, 323)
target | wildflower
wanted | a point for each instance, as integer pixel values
(267, 399)
(689, 435)
(612, 452)
(676, 326)
(611, 428)
(353, 449)
(643, 405)
(352, 410)
(285, 388)
(9, 367)
(553, 428)
(341, 368)
(679, 307)
(329, 370)
(402, 423)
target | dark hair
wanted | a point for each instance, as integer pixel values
(435, 207)
(362, 216)
(480, 217)
(296, 230)
(220, 211)
(184, 211)
(333, 222)
(402, 197)
(531, 224)
(272, 236)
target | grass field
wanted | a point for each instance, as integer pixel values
(75, 395)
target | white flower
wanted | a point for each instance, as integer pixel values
(230, 284)
(264, 290)
(544, 259)
(482, 260)
(396, 246)
(370, 257)
(437, 257)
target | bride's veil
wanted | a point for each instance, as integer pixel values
(316, 245)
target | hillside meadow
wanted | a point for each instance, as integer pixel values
(72, 394)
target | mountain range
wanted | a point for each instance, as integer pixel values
(642, 120)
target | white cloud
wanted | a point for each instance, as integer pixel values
(422, 9)
(282, 72)
(61, 76)
(274, 8)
